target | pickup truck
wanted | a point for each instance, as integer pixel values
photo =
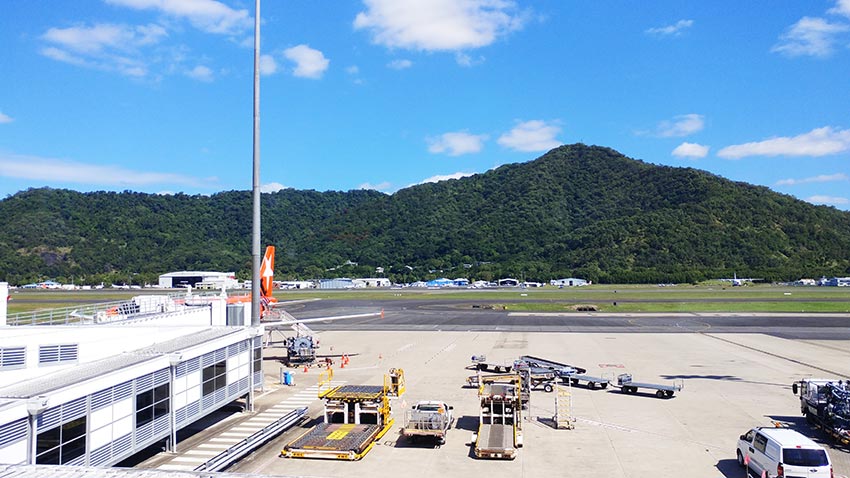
(428, 419)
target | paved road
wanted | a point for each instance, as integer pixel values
(424, 315)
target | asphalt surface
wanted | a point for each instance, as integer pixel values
(452, 315)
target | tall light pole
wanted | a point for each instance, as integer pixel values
(255, 249)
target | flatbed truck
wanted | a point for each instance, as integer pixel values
(826, 405)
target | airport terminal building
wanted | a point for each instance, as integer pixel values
(96, 392)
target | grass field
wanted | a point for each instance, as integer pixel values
(605, 298)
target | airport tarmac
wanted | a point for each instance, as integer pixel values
(731, 382)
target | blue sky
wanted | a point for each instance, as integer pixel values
(156, 95)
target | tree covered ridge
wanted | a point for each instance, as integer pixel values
(579, 210)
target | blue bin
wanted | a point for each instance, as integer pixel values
(287, 378)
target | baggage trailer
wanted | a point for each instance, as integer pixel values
(627, 385)
(428, 419)
(499, 432)
(589, 380)
(557, 367)
(480, 362)
(355, 417)
(826, 405)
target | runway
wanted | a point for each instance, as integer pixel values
(429, 315)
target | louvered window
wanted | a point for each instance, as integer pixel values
(50, 354)
(12, 357)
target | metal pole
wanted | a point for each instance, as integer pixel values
(255, 250)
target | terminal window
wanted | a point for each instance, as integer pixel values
(152, 404)
(214, 377)
(61, 444)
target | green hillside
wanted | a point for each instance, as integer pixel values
(577, 211)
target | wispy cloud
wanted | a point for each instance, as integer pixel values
(810, 36)
(271, 187)
(828, 200)
(443, 177)
(675, 29)
(817, 142)
(60, 171)
(309, 63)
(268, 65)
(690, 150)
(456, 143)
(384, 186)
(200, 73)
(4, 118)
(207, 15)
(103, 46)
(439, 25)
(822, 178)
(842, 7)
(531, 136)
(682, 125)
(399, 64)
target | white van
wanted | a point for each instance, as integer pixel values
(782, 452)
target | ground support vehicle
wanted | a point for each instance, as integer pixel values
(782, 452)
(589, 380)
(479, 362)
(826, 405)
(355, 417)
(428, 419)
(535, 377)
(559, 368)
(627, 385)
(499, 432)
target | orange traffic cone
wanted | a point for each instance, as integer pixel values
(305, 369)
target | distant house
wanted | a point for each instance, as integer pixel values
(441, 282)
(372, 282)
(338, 283)
(569, 282)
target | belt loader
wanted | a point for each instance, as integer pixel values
(500, 419)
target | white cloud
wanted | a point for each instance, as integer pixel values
(531, 136)
(309, 63)
(822, 178)
(4, 118)
(104, 46)
(671, 30)
(457, 143)
(268, 65)
(210, 16)
(103, 37)
(438, 24)
(842, 7)
(817, 142)
(271, 187)
(444, 177)
(690, 150)
(352, 70)
(65, 171)
(384, 186)
(463, 59)
(831, 200)
(200, 73)
(400, 64)
(809, 36)
(682, 125)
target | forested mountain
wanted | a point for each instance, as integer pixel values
(579, 210)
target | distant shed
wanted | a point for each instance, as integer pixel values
(193, 278)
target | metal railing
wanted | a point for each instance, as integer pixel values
(105, 312)
(254, 441)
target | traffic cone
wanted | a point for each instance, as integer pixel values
(305, 369)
